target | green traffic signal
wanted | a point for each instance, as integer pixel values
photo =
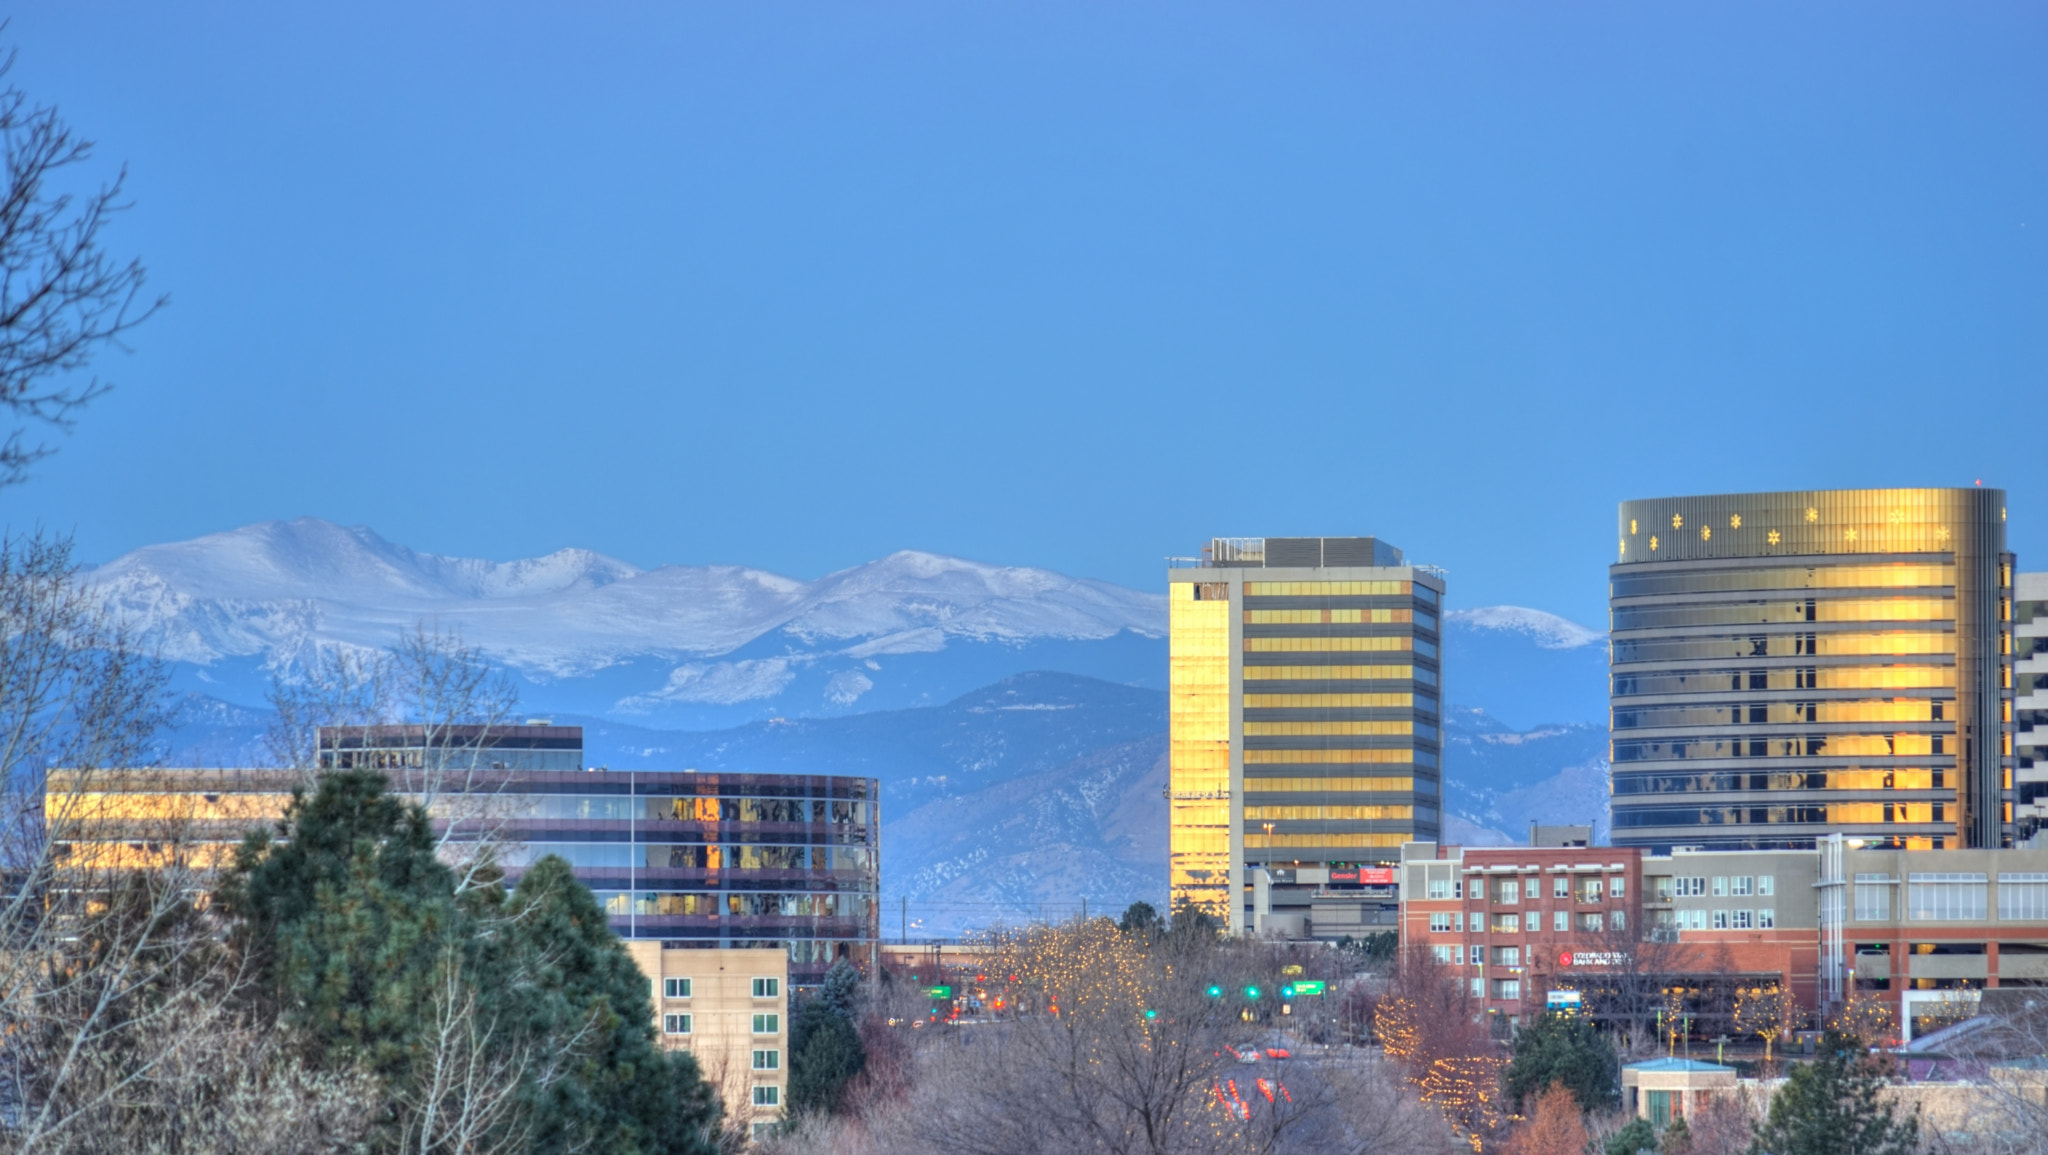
(1150, 1013)
(1287, 992)
(1251, 992)
(1215, 992)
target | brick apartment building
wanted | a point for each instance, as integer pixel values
(1514, 922)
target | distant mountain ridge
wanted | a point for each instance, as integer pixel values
(704, 647)
(680, 645)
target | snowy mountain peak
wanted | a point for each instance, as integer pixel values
(315, 558)
(270, 590)
(1547, 630)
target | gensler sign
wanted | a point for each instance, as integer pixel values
(1591, 958)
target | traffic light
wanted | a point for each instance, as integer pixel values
(1215, 992)
(1150, 1013)
(1287, 992)
(1251, 992)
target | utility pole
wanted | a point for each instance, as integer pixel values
(1084, 910)
(903, 922)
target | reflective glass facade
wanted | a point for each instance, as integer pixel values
(692, 859)
(1791, 665)
(1304, 716)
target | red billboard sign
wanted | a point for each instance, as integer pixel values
(1362, 876)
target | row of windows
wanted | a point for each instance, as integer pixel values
(627, 855)
(1665, 617)
(1532, 923)
(1330, 813)
(1893, 745)
(681, 988)
(1424, 702)
(1334, 645)
(1328, 785)
(1336, 617)
(1781, 646)
(683, 1023)
(1511, 890)
(1336, 757)
(1338, 589)
(1422, 674)
(623, 809)
(1899, 779)
(1954, 897)
(1453, 921)
(1763, 919)
(1913, 677)
(1812, 815)
(1785, 713)
(1695, 886)
(1304, 841)
(1584, 889)
(1311, 729)
(680, 904)
(1903, 575)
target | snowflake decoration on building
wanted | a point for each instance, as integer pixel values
(1706, 532)
(1812, 514)
(1849, 534)
(1772, 537)
(1941, 534)
(1735, 521)
(1677, 522)
(1653, 543)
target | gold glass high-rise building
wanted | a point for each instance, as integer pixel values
(1787, 666)
(1304, 741)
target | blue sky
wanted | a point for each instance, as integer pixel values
(1067, 285)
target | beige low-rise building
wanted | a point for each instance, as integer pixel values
(729, 1008)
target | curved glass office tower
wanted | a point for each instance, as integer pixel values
(1791, 665)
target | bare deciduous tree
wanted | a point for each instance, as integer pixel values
(445, 695)
(118, 991)
(62, 295)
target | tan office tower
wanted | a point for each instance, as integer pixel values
(1792, 665)
(1304, 746)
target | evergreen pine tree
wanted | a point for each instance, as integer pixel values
(1141, 919)
(1637, 1137)
(348, 916)
(1564, 1049)
(1832, 1106)
(576, 982)
(825, 1054)
(691, 1124)
(841, 992)
(825, 1051)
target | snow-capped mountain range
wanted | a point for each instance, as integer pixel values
(705, 646)
(685, 644)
